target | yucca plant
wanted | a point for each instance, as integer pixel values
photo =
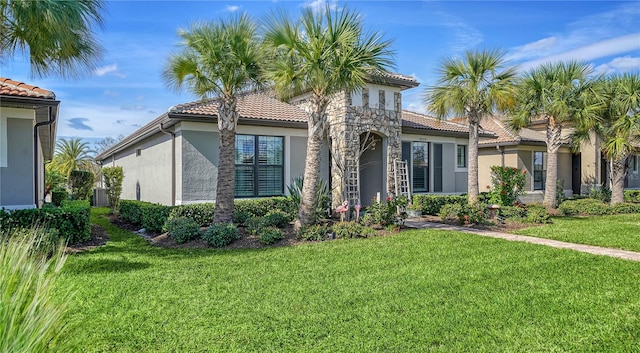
(30, 321)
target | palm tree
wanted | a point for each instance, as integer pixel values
(322, 53)
(58, 36)
(220, 61)
(559, 94)
(617, 126)
(70, 155)
(472, 87)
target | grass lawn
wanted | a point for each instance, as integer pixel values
(418, 291)
(617, 231)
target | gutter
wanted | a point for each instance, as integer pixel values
(52, 119)
(173, 163)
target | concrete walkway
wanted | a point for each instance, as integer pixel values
(596, 250)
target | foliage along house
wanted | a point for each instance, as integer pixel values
(27, 139)
(173, 159)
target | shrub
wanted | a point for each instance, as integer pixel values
(201, 213)
(507, 184)
(465, 214)
(276, 218)
(601, 193)
(583, 206)
(313, 232)
(385, 212)
(154, 216)
(625, 208)
(113, 177)
(322, 203)
(254, 225)
(71, 221)
(241, 216)
(81, 184)
(451, 212)
(513, 213)
(431, 204)
(182, 229)
(131, 211)
(220, 235)
(632, 196)
(348, 230)
(537, 214)
(260, 207)
(270, 235)
(31, 320)
(59, 195)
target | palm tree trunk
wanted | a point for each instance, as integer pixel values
(225, 190)
(617, 180)
(472, 174)
(309, 194)
(553, 144)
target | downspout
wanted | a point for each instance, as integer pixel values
(501, 155)
(173, 163)
(52, 119)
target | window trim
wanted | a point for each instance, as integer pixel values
(634, 164)
(256, 166)
(533, 169)
(428, 144)
(458, 168)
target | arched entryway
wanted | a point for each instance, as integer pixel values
(372, 167)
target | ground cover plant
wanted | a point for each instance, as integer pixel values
(613, 231)
(415, 291)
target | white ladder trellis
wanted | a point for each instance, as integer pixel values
(401, 172)
(352, 170)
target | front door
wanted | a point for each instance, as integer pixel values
(576, 173)
(371, 175)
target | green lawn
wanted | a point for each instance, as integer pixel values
(418, 291)
(618, 231)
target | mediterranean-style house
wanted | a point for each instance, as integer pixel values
(27, 139)
(173, 159)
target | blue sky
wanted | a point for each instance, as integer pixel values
(126, 90)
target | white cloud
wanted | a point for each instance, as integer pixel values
(619, 65)
(602, 49)
(232, 8)
(109, 69)
(465, 36)
(320, 5)
(111, 93)
(533, 49)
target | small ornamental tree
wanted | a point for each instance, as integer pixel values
(81, 184)
(507, 184)
(113, 177)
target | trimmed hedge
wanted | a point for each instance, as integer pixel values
(593, 207)
(154, 217)
(71, 220)
(431, 204)
(632, 196)
(201, 213)
(260, 207)
(131, 211)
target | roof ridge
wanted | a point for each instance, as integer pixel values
(25, 87)
(498, 121)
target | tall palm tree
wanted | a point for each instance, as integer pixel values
(58, 36)
(322, 53)
(617, 126)
(72, 154)
(473, 87)
(219, 60)
(559, 94)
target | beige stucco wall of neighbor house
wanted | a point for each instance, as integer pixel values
(491, 156)
(16, 158)
(150, 171)
(590, 164)
(565, 170)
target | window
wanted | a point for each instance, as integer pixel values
(538, 171)
(138, 152)
(634, 163)
(420, 166)
(259, 166)
(461, 156)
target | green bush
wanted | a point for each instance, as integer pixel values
(154, 216)
(201, 213)
(81, 184)
(625, 208)
(385, 212)
(348, 230)
(632, 196)
(464, 213)
(131, 211)
(71, 221)
(587, 206)
(182, 229)
(431, 204)
(254, 225)
(270, 235)
(113, 177)
(313, 232)
(220, 235)
(276, 218)
(601, 193)
(244, 209)
(513, 213)
(59, 195)
(537, 214)
(507, 184)
(31, 320)
(451, 212)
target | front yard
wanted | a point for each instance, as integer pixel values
(616, 231)
(415, 291)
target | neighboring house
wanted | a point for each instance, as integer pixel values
(27, 139)
(174, 158)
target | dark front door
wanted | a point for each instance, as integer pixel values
(576, 173)
(437, 167)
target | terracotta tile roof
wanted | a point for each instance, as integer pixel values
(421, 121)
(9, 87)
(251, 106)
(505, 134)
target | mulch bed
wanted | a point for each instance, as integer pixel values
(504, 227)
(98, 238)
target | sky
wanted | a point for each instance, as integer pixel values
(126, 90)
